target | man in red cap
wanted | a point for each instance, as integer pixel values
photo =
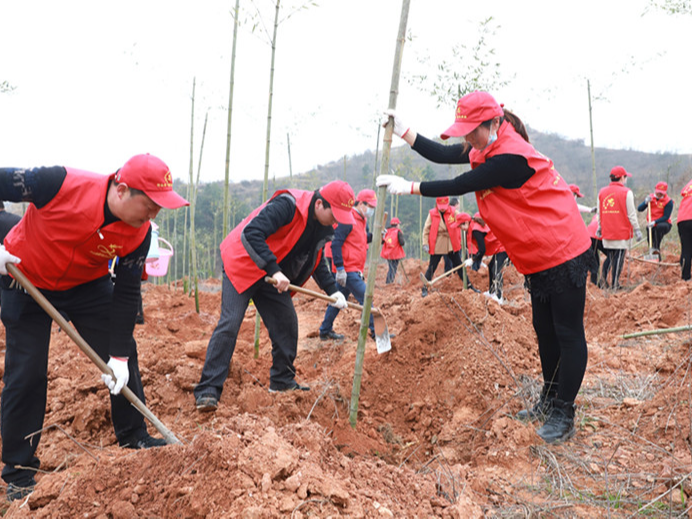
(349, 252)
(441, 237)
(82, 220)
(618, 220)
(660, 209)
(284, 239)
(393, 248)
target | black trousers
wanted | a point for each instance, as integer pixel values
(23, 404)
(393, 265)
(279, 316)
(495, 267)
(454, 257)
(596, 246)
(685, 232)
(657, 234)
(615, 259)
(559, 324)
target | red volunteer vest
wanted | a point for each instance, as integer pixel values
(237, 264)
(685, 211)
(657, 207)
(354, 250)
(390, 247)
(539, 223)
(615, 225)
(61, 245)
(593, 227)
(451, 224)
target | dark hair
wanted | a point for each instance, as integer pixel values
(511, 119)
(132, 189)
(614, 178)
(318, 196)
(454, 201)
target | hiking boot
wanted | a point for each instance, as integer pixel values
(206, 403)
(559, 426)
(540, 410)
(293, 387)
(145, 442)
(15, 492)
(424, 292)
(331, 334)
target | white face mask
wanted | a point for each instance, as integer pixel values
(369, 212)
(492, 137)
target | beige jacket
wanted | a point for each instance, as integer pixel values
(443, 245)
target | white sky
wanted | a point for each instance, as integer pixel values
(98, 82)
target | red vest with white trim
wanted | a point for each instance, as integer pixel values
(62, 244)
(391, 249)
(241, 270)
(354, 250)
(539, 223)
(612, 200)
(657, 207)
(685, 211)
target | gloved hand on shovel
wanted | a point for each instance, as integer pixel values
(121, 372)
(341, 276)
(340, 302)
(5, 258)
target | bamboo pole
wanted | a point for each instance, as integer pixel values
(377, 230)
(657, 332)
(227, 192)
(193, 241)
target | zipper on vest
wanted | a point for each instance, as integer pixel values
(99, 233)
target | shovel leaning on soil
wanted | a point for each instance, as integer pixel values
(429, 284)
(650, 256)
(382, 338)
(79, 340)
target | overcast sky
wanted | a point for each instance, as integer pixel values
(98, 82)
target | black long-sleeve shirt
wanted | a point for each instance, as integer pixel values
(667, 211)
(506, 170)
(299, 262)
(39, 186)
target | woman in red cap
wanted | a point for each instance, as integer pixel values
(393, 248)
(685, 230)
(660, 207)
(441, 238)
(529, 207)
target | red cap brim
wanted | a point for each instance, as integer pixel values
(167, 199)
(343, 216)
(459, 130)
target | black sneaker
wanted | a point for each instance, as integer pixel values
(331, 334)
(206, 403)
(294, 387)
(15, 492)
(146, 442)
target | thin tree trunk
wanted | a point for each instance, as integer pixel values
(226, 192)
(379, 213)
(193, 244)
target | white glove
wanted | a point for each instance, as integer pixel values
(426, 248)
(340, 302)
(647, 199)
(483, 265)
(468, 262)
(651, 224)
(5, 258)
(121, 372)
(341, 276)
(400, 127)
(638, 234)
(396, 185)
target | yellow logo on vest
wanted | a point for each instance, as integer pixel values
(106, 251)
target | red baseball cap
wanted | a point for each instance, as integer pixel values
(395, 221)
(662, 188)
(151, 175)
(463, 217)
(472, 110)
(442, 203)
(340, 197)
(575, 189)
(368, 196)
(619, 172)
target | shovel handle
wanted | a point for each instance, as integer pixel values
(318, 295)
(84, 346)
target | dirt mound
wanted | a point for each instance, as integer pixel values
(435, 435)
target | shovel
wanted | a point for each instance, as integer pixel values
(428, 284)
(650, 256)
(79, 340)
(382, 338)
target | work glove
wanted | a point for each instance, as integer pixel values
(340, 302)
(651, 224)
(121, 372)
(468, 262)
(396, 185)
(400, 127)
(638, 234)
(647, 199)
(426, 248)
(5, 258)
(341, 276)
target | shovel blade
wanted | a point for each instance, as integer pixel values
(382, 338)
